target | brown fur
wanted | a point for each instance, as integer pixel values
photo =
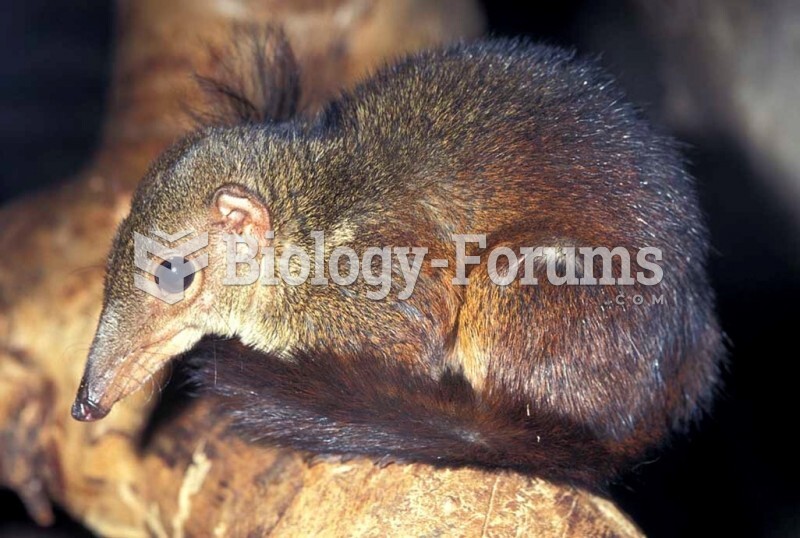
(520, 142)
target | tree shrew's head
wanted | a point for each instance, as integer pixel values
(165, 280)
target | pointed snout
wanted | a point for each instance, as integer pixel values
(100, 386)
(85, 408)
(113, 372)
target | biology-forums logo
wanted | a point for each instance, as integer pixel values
(170, 265)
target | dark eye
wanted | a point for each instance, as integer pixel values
(175, 275)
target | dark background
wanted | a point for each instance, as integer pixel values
(735, 475)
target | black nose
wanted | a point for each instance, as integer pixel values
(85, 410)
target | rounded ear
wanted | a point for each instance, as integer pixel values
(238, 210)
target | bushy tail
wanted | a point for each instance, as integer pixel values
(326, 404)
